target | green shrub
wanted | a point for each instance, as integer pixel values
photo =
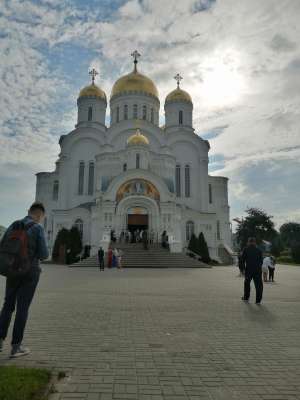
(284, 259)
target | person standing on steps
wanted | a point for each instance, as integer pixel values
(21, 287)
(101, 258)
(253, 259)
(145, 239)
(109, 257)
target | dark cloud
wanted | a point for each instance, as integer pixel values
(280, 43)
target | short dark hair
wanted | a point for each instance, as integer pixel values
(37, 206)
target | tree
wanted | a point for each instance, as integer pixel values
(256, 224)
(75, 245)
(290, 233)
(277, 245)
(62, 239)
(203, 249)
(193, 244)
(295, 251)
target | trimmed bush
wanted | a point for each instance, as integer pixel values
(203, 249)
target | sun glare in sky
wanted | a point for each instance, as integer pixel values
(222, 83)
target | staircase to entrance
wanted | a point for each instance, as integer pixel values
(135, 256)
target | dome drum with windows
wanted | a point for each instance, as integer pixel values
(92, 90)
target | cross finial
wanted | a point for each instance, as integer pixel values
(93, 74)
(135, 56)
(178, 78)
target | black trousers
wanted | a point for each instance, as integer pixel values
(18, 294)
(257, 278)
(101, 263)
(271, 274)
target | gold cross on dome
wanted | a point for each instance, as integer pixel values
(178, 78)
(136, 55)
(93, 74)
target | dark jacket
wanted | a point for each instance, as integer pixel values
(252, 258)
(100, 254)
(37, 246)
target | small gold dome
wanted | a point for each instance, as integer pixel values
(137, 139)
(134, 82)
(92, 90)
(179, 95)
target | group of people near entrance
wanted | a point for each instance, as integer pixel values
(134, 236)
(253, 265)
(114, 258)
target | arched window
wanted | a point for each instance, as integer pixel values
(187, 173)
(190, 230)
(124, 167)
(210, 193)
(135, 111)
(152, 116)
(55, 190)
(81, 178)
(144, 112)
(125, 111)
(178, 180)
(180, 117)
(79, 225)
(118, 114)
(91, 178)
(90, 114)
(137, 161)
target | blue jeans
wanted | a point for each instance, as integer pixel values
(19, 292)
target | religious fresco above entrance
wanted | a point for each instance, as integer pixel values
(138, 187)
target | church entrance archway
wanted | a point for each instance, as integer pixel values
(137, 220)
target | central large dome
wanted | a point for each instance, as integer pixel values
(133, 83)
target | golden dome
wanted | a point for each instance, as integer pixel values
(179, 95)
(92, 90)
(137, 139)
(134, 82)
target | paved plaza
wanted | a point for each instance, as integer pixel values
(171, 334)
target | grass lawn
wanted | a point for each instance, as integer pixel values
(23, 383)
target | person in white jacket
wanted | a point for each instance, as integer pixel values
(267, 262)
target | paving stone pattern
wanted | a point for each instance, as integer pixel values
(172, 334)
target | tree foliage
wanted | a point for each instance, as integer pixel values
(71, 241)
(290, 233)
(75, 245)
(295, 251)
(203, 248)
(193, 244)
(256, 224)
(62, 239)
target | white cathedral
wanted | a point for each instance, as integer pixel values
(135, 174)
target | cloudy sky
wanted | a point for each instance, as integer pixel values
(240, 61)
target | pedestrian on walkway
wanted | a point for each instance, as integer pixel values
(119, 259)
(101, 258)
(109, 257)
(145, 239)
(252, 258)
(20, 287)
(115, 255)
(265, 267)
(272, 269)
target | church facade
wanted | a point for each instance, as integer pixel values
(134, 174)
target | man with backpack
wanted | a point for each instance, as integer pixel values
(21, 249)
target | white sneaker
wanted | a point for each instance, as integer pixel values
(19, 352)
